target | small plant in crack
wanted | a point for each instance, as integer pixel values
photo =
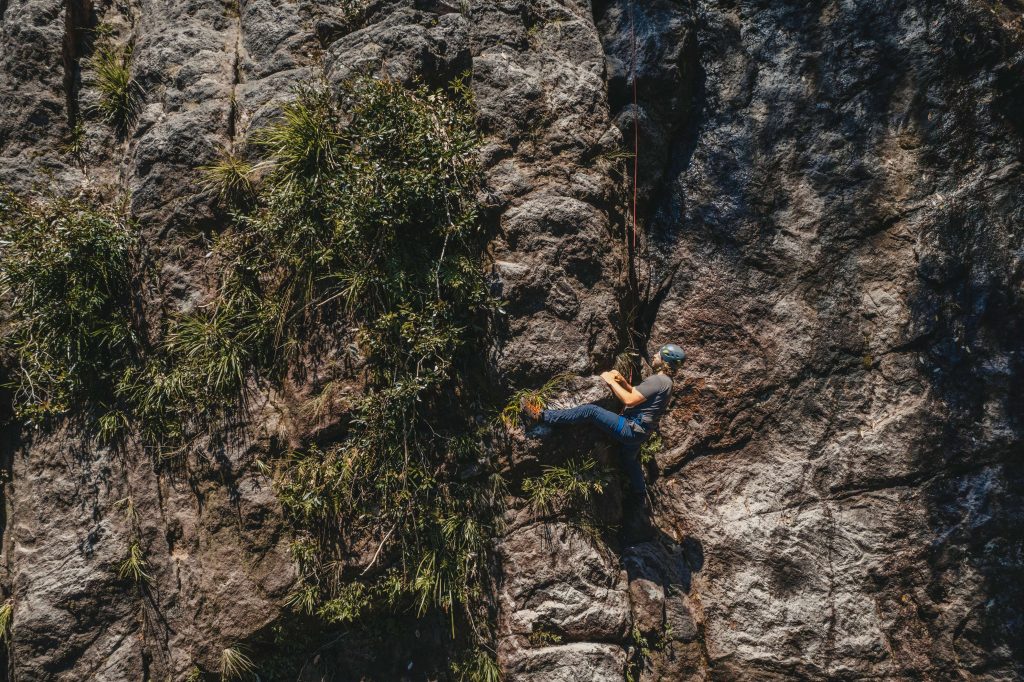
(651, 447)
(542, 636)
(131, 514)
(120, 95)
(6, 619)
(134, 565)
(235, 664)
(74, 143)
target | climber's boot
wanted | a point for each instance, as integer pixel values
(530, 409)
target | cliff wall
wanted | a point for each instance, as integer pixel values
(829, 220)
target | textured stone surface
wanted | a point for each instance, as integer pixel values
(841, 216)
(830, 222)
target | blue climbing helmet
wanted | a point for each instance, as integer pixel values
(672, 354)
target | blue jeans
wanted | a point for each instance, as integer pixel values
(614, 425)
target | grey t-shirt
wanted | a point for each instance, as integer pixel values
(657, 388)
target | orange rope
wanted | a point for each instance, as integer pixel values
(636, 134)
(636, 118)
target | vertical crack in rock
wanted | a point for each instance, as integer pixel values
(236, 79)
(77, 20)
(650, 50)
(830, 598)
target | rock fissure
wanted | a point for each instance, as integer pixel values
(78, 17)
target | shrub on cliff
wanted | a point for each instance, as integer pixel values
(65, 276)
(369, 213)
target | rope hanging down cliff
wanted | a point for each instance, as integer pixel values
(636, 116)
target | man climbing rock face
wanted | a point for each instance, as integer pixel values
(643, 406)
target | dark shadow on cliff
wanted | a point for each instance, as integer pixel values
(969, 316)
(663, 561)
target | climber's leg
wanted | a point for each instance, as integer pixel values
(613, 424)
(637, 516)
(630, 454)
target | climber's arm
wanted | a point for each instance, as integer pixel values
(629, 396)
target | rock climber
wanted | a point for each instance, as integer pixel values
(643, 406)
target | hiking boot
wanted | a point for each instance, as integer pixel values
(530, 409)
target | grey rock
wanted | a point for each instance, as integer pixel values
(578, 662)
(555, 577)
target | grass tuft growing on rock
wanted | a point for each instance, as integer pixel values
(65, 273)
(235, 665)
(134, 565)
(567, 488)
(74, 143)
(6, 620)
(231, 177)
(540, 397)
(479, 665)
(120, 96)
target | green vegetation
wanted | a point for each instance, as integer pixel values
(640, 653)
(74, 143)
(134, 565)
(360, 237)
(375, 221)
(352, 10)
(6, 618)
(478, 666)
(120, 96)
(642, 649)
(651, 447)
(65, 271)
(231, 177)
(565, 489)
(131, 513)
(540, 397)
(544, 637)
(235, 665)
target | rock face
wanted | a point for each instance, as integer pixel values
(829, 220)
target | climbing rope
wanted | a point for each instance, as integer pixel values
(636, 135)
(636, 117)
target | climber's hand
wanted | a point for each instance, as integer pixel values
(614, 377)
